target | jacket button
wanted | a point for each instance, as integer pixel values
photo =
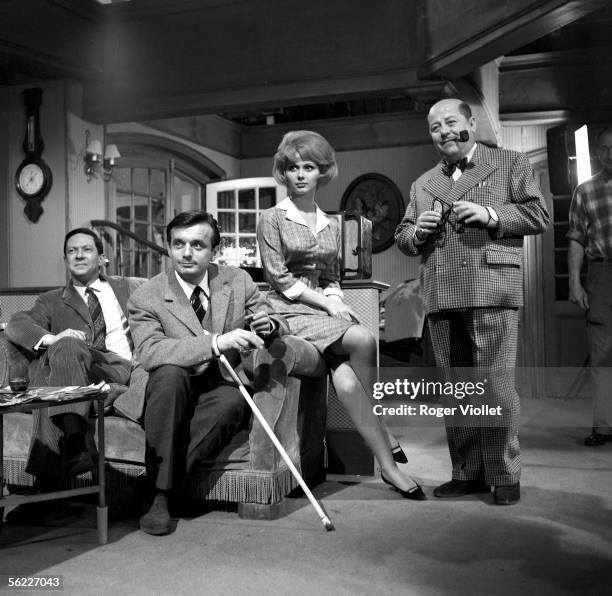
(464, 263)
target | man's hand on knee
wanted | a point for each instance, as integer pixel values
(49, 339)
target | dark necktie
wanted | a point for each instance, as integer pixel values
(95, 310)
(449, 168)
(196, 303)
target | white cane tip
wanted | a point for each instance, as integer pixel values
(328, 525)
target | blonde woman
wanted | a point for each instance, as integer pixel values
(300, 250)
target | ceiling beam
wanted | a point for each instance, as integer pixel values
(224, 56)
(102, 107)
(488, 29)
(553, 81)
(50, 39)
(345, 134)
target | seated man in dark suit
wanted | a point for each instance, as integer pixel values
(181, 320)
(79, 335)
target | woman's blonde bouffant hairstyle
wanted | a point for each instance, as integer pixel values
(307, 146)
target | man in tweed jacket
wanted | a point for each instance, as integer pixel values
(181, 320)
(467, 217)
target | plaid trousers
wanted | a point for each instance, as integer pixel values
(484, 341)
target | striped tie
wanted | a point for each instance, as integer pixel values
(95, 310)
(196, 303)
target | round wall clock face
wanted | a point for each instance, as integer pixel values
(32, 179)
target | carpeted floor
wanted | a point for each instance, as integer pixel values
(557, 540)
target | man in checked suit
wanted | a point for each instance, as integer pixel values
(78, 335)
(467, 217)
(182, 319)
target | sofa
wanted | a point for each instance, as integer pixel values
(289, 380)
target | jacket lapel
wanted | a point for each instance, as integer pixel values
(220, 293)
(72, 299)
(121, 289)
(480, 168)
(178, 305)
(439, 185)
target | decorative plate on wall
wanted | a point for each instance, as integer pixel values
(376, 197)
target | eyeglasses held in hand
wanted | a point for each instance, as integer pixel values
(445, 209)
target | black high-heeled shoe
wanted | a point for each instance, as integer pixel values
(415, 494)
(399, 455)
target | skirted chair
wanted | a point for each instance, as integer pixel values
(289, 379)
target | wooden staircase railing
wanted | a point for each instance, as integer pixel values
(128, 254)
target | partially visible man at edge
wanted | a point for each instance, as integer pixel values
(590, 239)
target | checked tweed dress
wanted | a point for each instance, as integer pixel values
(472, 280)
(291, 252)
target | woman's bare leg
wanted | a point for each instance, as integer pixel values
(354, 392)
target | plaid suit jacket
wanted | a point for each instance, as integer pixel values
(477, 267)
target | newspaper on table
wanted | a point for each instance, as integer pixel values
(11, 398)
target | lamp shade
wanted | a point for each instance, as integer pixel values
(111, 152)
(94, 147)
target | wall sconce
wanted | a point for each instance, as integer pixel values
(93, 158)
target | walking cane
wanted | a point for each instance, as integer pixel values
(321, 513)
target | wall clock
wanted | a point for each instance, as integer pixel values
(378, 199)
(33, 177)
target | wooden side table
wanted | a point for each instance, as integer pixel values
(100, 488)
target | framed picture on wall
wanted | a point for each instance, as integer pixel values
(377, 198)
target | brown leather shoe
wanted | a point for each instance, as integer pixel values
(507, 495)
(156, 520)
(459, 488)
(597, 439)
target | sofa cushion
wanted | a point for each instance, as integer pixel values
(125, 442)
(124, 439)
(130, 403)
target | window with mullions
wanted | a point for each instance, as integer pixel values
(237, 204)
(140, 207)
(156, 179)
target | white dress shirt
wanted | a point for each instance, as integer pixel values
(458, 173)
(116, 339)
